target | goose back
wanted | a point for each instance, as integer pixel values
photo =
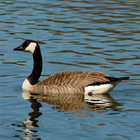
(70, 81)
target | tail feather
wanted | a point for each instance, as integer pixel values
(123, 78)
(114, 79)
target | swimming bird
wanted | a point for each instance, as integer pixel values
(83, 82)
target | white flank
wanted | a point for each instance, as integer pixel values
(26, 85)
(31, 47)
(100, 89)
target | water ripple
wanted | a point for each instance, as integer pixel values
(73, 35)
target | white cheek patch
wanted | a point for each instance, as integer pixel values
(31, 47)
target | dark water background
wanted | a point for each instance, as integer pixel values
(73, 35)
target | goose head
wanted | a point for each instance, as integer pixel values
(27, 46)
(32, 47)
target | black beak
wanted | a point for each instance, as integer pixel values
(20, 48)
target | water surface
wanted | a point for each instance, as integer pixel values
(73, 35)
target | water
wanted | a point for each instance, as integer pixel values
(73, 35)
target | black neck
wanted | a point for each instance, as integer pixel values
(37, 67)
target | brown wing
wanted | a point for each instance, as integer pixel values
(75, 78)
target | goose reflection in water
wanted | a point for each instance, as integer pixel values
(73, 102)
(76, 103)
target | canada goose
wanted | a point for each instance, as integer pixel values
(83, 82)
